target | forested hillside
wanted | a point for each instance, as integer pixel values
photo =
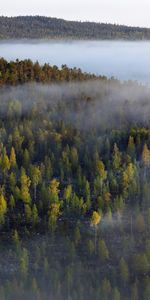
(38, 27)
(20, 72)
(74, 185)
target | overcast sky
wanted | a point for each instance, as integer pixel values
(130, 12)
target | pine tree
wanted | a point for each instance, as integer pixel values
(131, 147)
(116, 158)
(35, 217)
(124, 271)
(103, 252)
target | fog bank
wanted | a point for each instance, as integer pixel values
(121, 59)
(105, 104)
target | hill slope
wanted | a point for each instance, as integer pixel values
(44, 27)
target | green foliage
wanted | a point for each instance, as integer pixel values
(124, 271)
(141, 264)
(102, 251)
(35, 217)
(74, 195)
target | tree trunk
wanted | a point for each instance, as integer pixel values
(35, 192)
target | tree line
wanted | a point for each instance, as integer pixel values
(43, 27)
(20, 72)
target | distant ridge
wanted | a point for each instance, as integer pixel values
(38, 27)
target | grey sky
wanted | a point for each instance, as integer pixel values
(130, 12)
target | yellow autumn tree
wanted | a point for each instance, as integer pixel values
(146, 156)
(12, 158)
(4, 162)
(3, 208)
(100, 167)
(101, 174)
(54, 190)
(53, 214)
(95, 220)
(25, 184)
(128, 177)
(145, 159)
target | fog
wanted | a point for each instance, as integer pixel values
(105, 105)
(121, 59)
(58, 266)
(72, 272)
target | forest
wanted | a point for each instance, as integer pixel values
(74, 185)
(38, 27)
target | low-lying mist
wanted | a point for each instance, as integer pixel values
(106, 104)
(63, 266)
(67, 151)
(122, 59)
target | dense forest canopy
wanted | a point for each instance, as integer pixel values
(38, 27)
(24, 71)
(74, 185)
